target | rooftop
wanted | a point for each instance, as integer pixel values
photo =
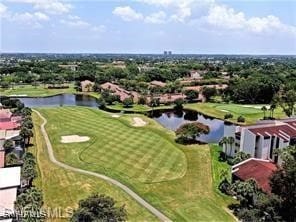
(10, 177)
(259, 170)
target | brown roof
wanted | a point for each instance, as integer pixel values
(122, 93)
(282, 131)
(158, 83)
(256, 169)
(198, 88)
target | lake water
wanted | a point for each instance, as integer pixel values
(169, 119)
(60, 100)
(173, 120)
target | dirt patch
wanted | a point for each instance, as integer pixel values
(74, 139)
(139, 122)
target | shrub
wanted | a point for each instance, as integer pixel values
(228, 116)
(241, 119)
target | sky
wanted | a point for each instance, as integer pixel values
(149, 26)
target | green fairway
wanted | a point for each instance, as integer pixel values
(252, 113)
(63, 188)
(135, 153)
(174, 178)
(38, 91)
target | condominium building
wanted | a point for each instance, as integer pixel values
(262, 139)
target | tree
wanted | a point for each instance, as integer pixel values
(26, 134)
(155, 102)
(240, 156)
(191, 95)
(128, 102)
(178, 104)
(231, 141)
(287, 102)
(228, 116)
(142, 100)
(283, 183)
(8, 145)
(209, 92)
(99, 208)
(264, 109)
(192, 130)
(241, 119)
(11, 159)
(272, 108)
(224, 141)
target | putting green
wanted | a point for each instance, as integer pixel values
(115, 147)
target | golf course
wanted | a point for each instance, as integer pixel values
(177, 180)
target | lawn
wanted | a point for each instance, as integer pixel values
(252, 113)
(137, 107)
(174, 178)
(38, 91)
(63, 188)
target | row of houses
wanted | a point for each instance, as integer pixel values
(10, 177)
(261, 141)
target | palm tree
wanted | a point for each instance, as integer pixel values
(231, 142)
(26, 134)
(272, 108)
(264, 109)
(224, 141)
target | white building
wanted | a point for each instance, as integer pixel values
(10, 180)
(262, 139)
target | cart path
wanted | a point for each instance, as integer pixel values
(125, 188)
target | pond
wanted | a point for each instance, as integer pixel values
(60, 100)
(172, 120)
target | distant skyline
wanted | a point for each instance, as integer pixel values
(149, 26)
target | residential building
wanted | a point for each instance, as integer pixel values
(262, 139)
(72, 67)
(8, 121)
(122, 93)
(87, 86)
(257, 169)
(10, 180)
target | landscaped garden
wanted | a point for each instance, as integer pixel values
(175, 179)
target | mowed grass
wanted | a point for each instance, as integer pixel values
(183, 192)
(252, 113)
(63, 188)
(115, 147)
(38, 91)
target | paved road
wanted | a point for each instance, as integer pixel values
(126, 189)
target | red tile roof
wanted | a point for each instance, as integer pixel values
(282, 131)
(8, 125)
(258, 170)
(5, 114)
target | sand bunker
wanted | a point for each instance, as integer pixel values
(74, 139)
(138, 122)
(115, 116)
(223, 110)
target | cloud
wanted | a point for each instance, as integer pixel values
(31, 19)
(3, 10)
(156, 18)
(48, 6)
(74, 21)
(127, 13)
(224, 17)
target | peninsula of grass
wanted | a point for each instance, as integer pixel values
(251, 113)
(136, 108)
(35, 91)
(175, 179)
(64, 188)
